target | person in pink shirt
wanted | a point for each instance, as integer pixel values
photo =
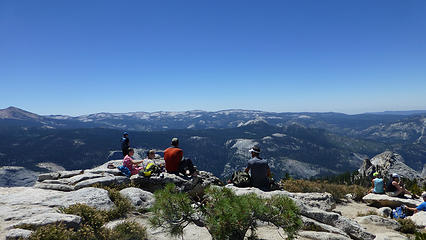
(131, 164)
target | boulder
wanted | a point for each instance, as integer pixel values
(54, 186)
(353, 229)
(94, 197)
(384, 211)
(111, 225)
(191, 185)
(14, 213)
(378, 220)
(68, 174)
(48, 176)
(138, 197)
(349, 227)
(113, 171)
(383, 200)
(323, 201)
(317, 226)
(82, 177)
(419, 219)
(102, 181)
(322, 235)
(70, 221)
(18, 234)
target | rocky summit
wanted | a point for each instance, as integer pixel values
(387, 163)
(39, 205)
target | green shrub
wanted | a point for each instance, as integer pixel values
(89, 215)
(282, 212)
(226, 215)
(420, 235)
(92, 221)
(172, 210)
(368, 213)
(52, 232)
(338, 191)
(413, 186)
(122, 204)
(129, 230)
(229, 216)
(407, 226)
(124, 231)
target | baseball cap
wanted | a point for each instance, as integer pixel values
(175, 141)
(375, 174)
(255, 149)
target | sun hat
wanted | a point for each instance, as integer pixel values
(255, 149)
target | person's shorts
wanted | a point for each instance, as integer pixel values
(393, 194)
(378, 192)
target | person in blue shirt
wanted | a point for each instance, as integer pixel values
(377, 184)
(125, 144)
(421, 207)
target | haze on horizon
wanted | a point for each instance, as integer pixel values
(84, 57)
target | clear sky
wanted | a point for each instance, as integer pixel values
(77, 57)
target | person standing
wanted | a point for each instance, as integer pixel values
(125, 144)
(259, 170)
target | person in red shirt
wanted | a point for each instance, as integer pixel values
(173, 156)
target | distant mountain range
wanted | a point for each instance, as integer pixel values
(302, 144)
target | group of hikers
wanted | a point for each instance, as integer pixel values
(393, 188)
(175, 163)
(256, 174)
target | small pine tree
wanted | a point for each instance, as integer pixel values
(225, 215)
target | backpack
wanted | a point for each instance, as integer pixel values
(124, 170)
(241, 179)
(398, 213)
(150, 169)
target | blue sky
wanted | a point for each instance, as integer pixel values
(78, 57)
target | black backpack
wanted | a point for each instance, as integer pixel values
(241, 179)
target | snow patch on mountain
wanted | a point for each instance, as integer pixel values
(304, 117)
(253, 122)
(279, 135)
(197, 138)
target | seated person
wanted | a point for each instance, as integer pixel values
(131, 164)
(173, 156)
(377, 184)
(421, 207)
(394, 188)
(150, 158)
(259, 170)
